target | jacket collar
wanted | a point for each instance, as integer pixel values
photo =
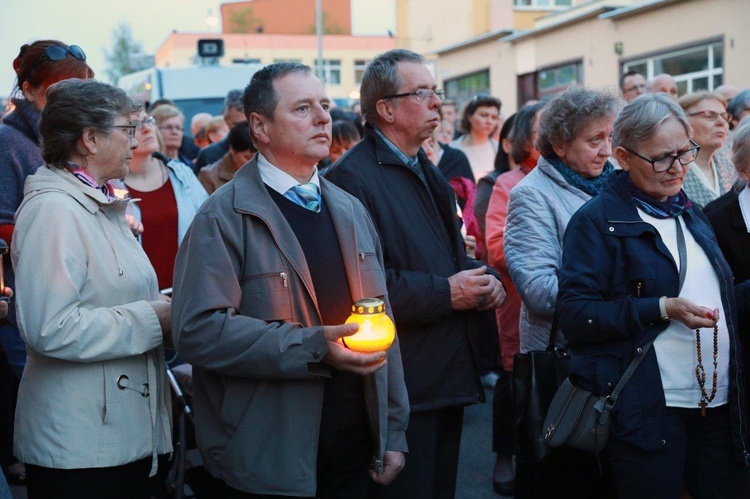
(251, 197)
(225, 168)
(51, 178)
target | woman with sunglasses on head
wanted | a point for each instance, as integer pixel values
(93, 405)
(713, 173)
(480, 119)
(37, 66)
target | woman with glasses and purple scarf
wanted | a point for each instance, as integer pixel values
(643, 276)
(93, 411)
(37, 66)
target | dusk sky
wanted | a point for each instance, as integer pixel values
(90, 23)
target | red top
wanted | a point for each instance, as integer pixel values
(159, 239)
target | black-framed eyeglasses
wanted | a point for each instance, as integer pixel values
(421, 94)
(710, 115)
(660, 165)
(59, 52)
(150, 121)
(128, 128)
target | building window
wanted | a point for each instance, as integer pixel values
(331, 71)
(245, 61)
(548, 81)
(359, 70)
(694, 69)
(464, 88)
(286, 59)
(542, 4)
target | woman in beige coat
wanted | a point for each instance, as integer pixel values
(93, 405)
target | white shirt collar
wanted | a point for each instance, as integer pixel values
(279, 180)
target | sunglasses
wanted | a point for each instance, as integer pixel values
(57, 53)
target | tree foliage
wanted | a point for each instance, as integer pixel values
(118, 57)
(243, 21)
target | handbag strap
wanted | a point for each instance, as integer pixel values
(682, 251)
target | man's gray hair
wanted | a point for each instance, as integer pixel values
(233, 100)
(741, 148)
(642, 117)
(568, 114)
(381, 78)
(739, 103)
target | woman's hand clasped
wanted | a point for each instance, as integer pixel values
(691, 314)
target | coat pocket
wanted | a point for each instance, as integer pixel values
(267, 297)
(127, 416)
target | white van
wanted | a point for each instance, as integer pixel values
(193, 89)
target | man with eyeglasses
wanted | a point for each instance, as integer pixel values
(632, 84)
(436, 291)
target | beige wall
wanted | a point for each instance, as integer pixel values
(592, 41)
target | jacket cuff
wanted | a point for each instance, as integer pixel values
(396, 441)
(443, 294)
(649, 311)
(317, 347)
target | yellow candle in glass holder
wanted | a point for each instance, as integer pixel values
(376, 330)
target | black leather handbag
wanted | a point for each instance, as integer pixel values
(536, 376)
(579, 419)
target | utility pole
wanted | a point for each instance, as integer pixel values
(319, 31)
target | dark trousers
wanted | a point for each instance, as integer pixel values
(434, 440)
(698, 451)
(343, 464)
(503, 424)
(129, 481)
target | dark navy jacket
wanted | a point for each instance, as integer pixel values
(615, 268)
(422, 246)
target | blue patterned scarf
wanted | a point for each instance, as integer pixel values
(673, 207)
(590, 186)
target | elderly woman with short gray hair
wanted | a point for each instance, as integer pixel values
(643, 275)
(93, 406)
(574, 139)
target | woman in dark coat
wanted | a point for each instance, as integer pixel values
(642, 274)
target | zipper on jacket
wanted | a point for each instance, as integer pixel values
(638, 286)
(283, 278)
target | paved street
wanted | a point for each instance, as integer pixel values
(477, 459)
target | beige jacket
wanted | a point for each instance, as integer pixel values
(94, 391)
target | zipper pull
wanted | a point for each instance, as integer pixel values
(638, 286)
(283, 278)
(362, 256)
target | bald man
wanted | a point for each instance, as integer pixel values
(664, 83)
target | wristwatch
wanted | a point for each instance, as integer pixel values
(663, 309)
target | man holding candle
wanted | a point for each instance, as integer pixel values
(265, 279)
(435, 290)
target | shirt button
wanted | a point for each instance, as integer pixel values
(611, 229)
(664, 442)
(590, 321)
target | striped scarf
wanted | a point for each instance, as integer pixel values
(81, 174)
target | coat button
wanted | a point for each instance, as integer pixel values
(590, 321)
(639, 350)
(316, 355)
(611, 229)
(664, 442)
(122, 382)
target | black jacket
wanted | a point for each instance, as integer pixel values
(454, 163)
(422, 246)
(614, 269)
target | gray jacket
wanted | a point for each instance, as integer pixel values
(246, 316)
(539, 210)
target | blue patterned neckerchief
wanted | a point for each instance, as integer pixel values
(673, 207)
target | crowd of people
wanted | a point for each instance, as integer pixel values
(609, 226)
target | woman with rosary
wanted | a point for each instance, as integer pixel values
(642, 275)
